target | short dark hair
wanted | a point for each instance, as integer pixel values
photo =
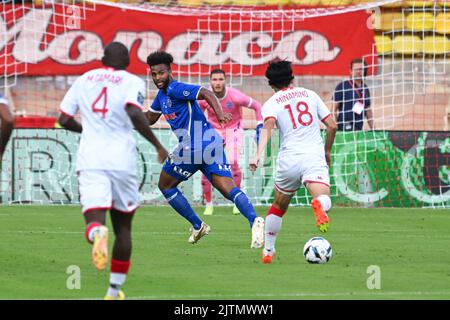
(357, 60)
(279, 73)
(159, 57)
(217, 71)
(116, 55)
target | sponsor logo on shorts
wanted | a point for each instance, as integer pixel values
(182, 172)
(224, 167)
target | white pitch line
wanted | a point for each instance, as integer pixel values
(290, 294)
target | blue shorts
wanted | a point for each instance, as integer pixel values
(215, 162)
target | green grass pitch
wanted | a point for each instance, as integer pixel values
(410, 246)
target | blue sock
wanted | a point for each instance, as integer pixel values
(182, 206)
(241, 201)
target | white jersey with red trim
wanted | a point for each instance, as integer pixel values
(101, 95)
(298, 113)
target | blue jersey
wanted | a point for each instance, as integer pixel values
(346, 95)
(201, 146)
(179, 106)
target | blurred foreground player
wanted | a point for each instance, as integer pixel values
(110, 101)
(200, 147)
(232, 101)
(302, 158)
(7, 125)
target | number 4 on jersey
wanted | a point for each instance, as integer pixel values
(100, 102)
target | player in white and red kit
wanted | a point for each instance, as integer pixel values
(303, 158)
(110, 101)
(232, 101)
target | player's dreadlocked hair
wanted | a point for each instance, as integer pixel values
(159, 57)
(279, 73)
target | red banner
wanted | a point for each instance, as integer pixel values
(68, 41)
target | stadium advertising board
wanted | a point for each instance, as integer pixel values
(382, 169)
(68, 40)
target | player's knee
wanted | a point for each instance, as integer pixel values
(325, 201)
(281, 204)
(162, 186)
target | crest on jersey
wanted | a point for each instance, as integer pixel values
(229, 104)
(186, 93)
(140, 98)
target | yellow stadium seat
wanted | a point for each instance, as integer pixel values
(420, 21)
(190, 3)
(305, 2)
(443, 23)
(397, 4)
(443, 3)
(436, 45)
(407, 44)
(384, 44)
(335, 2)
(361, 1)
(214, 2)
(275, 2)
(245, 2)
(419, 4)
(391, 21)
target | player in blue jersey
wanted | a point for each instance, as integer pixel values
(200, 147)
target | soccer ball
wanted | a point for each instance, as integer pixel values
(317, 250)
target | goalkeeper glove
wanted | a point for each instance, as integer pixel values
(258, 132)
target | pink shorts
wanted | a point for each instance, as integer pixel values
(233, 143)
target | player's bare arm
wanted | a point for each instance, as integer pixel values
(211, 99)
(266, 133)
(331, 128)
(334, 110)
(69, 123)
(152, 117)
(7, 125)
(141, 124)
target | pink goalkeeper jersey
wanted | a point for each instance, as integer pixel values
(232, 102)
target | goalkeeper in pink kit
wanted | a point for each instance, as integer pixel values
(232, 101)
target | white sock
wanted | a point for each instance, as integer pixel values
(272, 227)
(116, 280)
(325, 201)
(92, 233)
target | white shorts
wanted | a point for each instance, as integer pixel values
(104, 190)
(295, 170)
